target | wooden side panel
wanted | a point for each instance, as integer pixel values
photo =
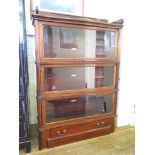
(43, 135)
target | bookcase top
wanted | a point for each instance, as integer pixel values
(77, 20)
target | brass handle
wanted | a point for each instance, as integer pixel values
(59, 133)
(102, 123)
(98, 125)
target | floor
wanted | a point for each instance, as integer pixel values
(121, 142)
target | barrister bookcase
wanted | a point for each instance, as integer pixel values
(77, 64)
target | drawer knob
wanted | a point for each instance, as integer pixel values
(102, 123)
(98, 124)
(61, 133)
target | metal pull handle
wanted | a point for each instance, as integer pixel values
(100, 125)
(59, 133)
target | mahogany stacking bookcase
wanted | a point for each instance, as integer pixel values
(77, 65)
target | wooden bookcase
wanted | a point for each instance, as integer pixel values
(77, 63)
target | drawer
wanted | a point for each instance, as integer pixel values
(99, 131)
(77, 128)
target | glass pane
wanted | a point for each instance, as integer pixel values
(61, 42)
(58, 110)
(69, 78)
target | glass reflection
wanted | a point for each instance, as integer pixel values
(58, 110)
(69, 78)
(62, 42)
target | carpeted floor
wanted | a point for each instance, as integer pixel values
(121, 142)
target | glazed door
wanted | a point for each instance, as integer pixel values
(65, 42)
(67, 78)
(77, 107)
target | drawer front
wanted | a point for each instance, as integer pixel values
(51, 142)
(72, 129)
